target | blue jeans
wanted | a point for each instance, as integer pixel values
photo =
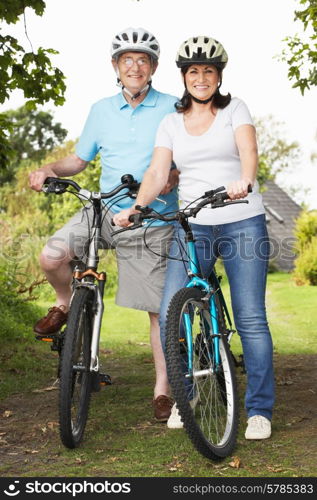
(244, 248)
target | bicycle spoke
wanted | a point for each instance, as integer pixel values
(195, 376)
(75, 387)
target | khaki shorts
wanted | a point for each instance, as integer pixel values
(141, 272)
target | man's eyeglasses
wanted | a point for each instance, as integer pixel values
(129, 61)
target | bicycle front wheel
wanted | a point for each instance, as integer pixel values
(75, 375)
(205, 390)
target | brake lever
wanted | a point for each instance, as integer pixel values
(225, 203)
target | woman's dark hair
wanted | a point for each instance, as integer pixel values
(218, 101)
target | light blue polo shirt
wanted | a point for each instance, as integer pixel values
(124, 137)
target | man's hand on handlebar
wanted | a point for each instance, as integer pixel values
(37, 178)
(122, 218)
(173, 180)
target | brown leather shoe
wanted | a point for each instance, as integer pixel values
(162, 408)
(51, 323)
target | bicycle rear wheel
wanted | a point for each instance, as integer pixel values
(75, 375)
(206, 395)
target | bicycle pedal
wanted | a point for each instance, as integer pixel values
(47, 338)
(99, 380)
(104, 379)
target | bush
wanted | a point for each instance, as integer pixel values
(16, 315)
(305, 229)
(305, 271)
(28, 218)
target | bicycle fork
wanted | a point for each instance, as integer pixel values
(213, 334)
(98, 309)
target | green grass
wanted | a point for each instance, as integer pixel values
(122, 438)
(292, 314)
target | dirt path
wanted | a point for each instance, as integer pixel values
(29, 438)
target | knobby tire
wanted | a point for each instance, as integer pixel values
(212, 425)
(75, 385)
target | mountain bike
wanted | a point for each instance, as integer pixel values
(78, 344)
(200, 364)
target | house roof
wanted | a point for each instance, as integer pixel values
(281, 212)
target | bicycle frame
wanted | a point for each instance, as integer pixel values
(197, 281)
(87, 278)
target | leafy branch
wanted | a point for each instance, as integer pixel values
(300, 53)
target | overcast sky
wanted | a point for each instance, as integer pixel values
(250, 30)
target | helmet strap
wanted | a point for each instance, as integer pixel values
(202, 101)
(127, 91)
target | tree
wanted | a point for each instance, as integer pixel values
(275, 153)
(301, 51)
(33, 135)
(31, 71)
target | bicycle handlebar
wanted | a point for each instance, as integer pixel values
(216, 198)
(59, 186)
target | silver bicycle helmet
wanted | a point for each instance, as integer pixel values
(135, 40)
(201, 50)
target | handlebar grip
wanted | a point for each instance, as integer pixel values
(225, 196)
(136, 218)
(48, 180)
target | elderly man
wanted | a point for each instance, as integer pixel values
(122, 129)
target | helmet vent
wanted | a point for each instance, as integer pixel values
(135, 39)
(201, 50)
(212, 50)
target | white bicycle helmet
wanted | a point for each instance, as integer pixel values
(135, 40)
(201, 50)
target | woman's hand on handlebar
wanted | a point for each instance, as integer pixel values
(122, 218)
(239, 189)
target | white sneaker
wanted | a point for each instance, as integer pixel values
(175, 421)
(258, 428)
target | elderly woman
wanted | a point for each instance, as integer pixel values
(212, 140)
